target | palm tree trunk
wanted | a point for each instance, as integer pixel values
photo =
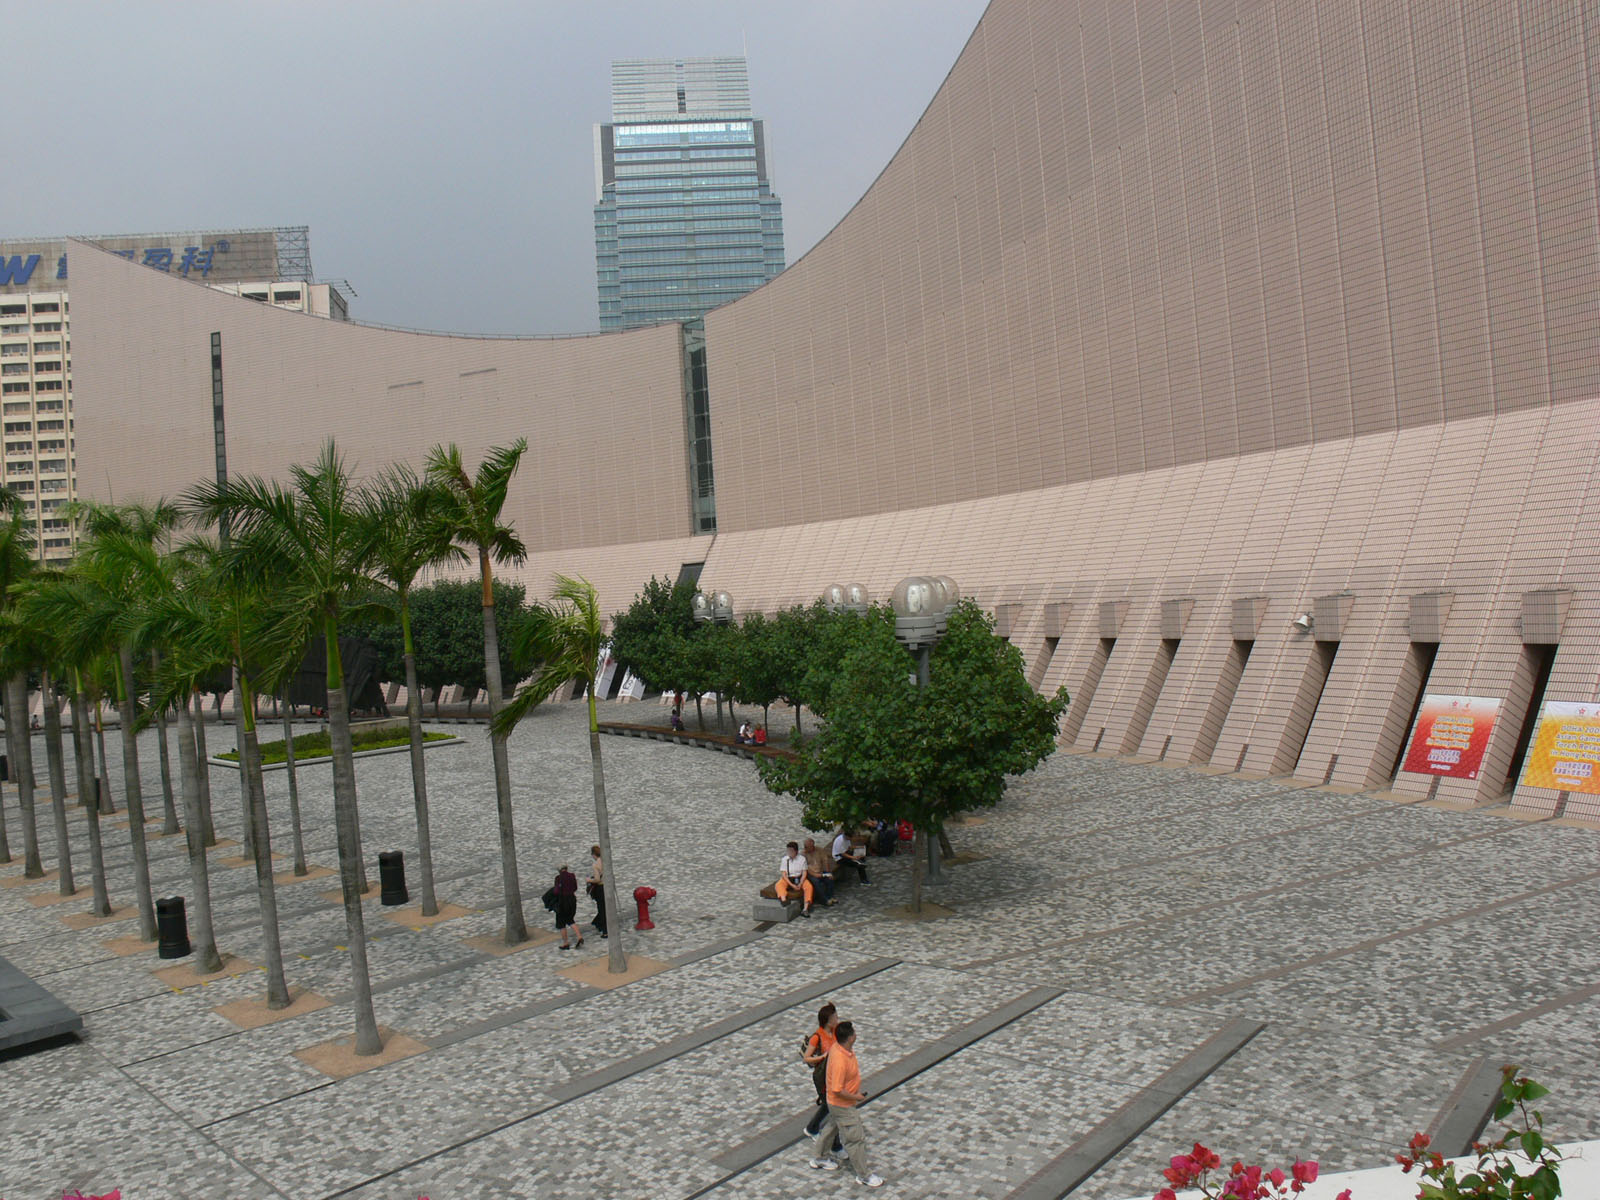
(266, 890)
(5, 837)
(206, 957)
(349, 836)
(516, 924)
(169, 809)
(617, 961)
(102, 779)
(11, 757)
(83, 746)
(797, 718)
(58, 784)
(204, 758)
(22, 768)
(419, 773)
(135, 798)
(248, 837)
(294, 787)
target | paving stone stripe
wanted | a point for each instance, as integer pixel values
(1467, 1109)
(1577, 996)
(1089, 1154)
(1178, 914)
(782, 1135)
(666, 1051)
(1245, 981)
(594, 1081)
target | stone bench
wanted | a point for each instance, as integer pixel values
(776, 911)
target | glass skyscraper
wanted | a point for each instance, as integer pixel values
(686, 219)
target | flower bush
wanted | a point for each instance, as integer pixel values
(1495, 1176)
(1194, 1170)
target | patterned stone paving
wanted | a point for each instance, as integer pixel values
(1387, 944)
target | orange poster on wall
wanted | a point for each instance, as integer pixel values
(1565, 754)
(1450, 735)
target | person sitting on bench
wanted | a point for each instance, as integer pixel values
(792, 877)
(847, 854)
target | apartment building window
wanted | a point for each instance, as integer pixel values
(41, 368)
(52, 505)
(47, 327)
(13, 310)
(19, 468)
(11, 329)
(45, 447)
(16, 389)
(19, 426)
(57, 543)
(56, 465)
(47, 347)
(19, 447)
(20, 368)
(50, 426)
(23, 487)
(48, 307)
(47, 385)
(13, 349)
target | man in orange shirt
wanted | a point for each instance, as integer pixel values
(844, 1094)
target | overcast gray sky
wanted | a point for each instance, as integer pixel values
(441, 153)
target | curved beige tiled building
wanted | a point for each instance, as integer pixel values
(1168, 324)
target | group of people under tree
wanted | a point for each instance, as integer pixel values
(813, 871)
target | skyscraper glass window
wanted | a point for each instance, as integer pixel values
(686, 219)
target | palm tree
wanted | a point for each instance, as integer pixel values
(307, 540)
(33, 647)
(407, 539)
(564, 639)
(169, 824)
(212, 623)
(86, 608)
(472, 517)
(16, 563)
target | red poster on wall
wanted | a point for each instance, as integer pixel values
(1451, 734)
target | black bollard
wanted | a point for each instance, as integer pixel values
(392, 874)
(172, 926)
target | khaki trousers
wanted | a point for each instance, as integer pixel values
(847, 1121)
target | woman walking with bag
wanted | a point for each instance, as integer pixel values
(566, 890)
(597, 889)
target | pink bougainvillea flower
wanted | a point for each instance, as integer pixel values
(1166, 1194)
(1277, 1176)
(1205, 1159)
(1304, 1173)
(1344, 1195)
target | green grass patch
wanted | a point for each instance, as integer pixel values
(311, 746)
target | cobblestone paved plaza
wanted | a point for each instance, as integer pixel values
(1387, 945)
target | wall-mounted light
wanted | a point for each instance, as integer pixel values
(1303, 623)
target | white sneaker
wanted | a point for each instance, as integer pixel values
(870, 1180)
(824, 1164)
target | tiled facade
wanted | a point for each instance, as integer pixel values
(1165, 326)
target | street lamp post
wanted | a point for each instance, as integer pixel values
(922, 605)
(713, 608)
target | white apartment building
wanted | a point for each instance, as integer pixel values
(36, 399)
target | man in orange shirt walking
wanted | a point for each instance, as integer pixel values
(844, 1094)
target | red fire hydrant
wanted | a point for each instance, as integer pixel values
(642, 897)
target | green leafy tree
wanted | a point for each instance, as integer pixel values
(409, 538)
(648, 636)
(308, 542)
(761, 672)
(563, 639)
(471, 515)
(896, 751)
